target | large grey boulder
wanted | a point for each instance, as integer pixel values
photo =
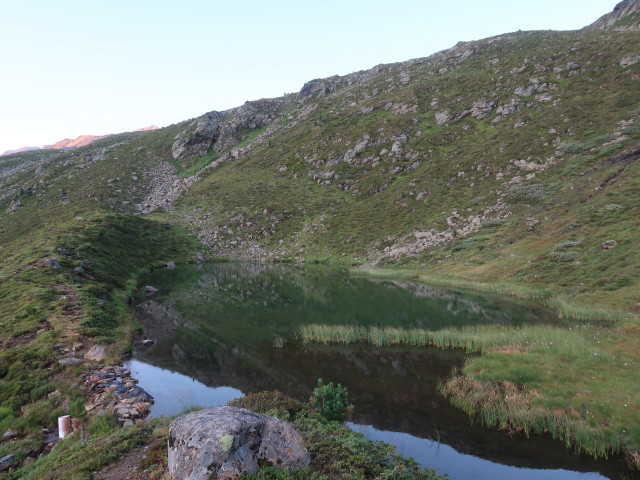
(226, 442)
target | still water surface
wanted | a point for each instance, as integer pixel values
(225, 330)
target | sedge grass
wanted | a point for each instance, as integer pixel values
(483, 338)
(566, 308)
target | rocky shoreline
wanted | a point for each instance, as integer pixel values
(112, 389)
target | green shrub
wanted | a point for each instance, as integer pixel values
(469, 243)
(338, 452)
(494, 222)
(534, 193)
(268, 402)
(6, 418)
(564, 256)
(332, 402)
(610, 209)
(574, 148)
(578, 147)
(102, 424)
(272, 473)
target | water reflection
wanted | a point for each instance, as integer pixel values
(216, 327)
(432, 454)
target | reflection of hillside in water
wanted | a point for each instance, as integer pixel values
(293, 294)
(256, 284)
(206, 328)
(394, 389)
(461, 305)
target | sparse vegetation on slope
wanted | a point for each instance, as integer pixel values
(508, 164)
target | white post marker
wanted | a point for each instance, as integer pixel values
(64, 426)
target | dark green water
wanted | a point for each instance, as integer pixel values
(224, 330)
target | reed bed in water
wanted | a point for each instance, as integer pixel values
(569, 382)
(483, 338)
(508, 406)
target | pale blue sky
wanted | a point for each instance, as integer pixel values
(74, 67)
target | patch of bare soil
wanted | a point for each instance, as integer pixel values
(132, 466)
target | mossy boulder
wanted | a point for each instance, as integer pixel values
(226, 442)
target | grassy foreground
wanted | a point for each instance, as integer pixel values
(48, 313)
(336, 451)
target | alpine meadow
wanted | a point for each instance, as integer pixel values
(507, 166)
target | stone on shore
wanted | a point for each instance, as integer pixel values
(226, 442)
(96, 354)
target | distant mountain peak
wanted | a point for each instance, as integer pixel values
(20, 150)
(80, 141)
(77, 142)
(625, 16)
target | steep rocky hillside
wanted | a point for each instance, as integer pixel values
(625, 16)
(513, 157)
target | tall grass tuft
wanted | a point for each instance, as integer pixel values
(483, 338)
(509, 406)
(566, 308)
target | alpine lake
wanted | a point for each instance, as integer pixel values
(224, 330)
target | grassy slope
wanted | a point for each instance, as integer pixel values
(327, 222)
(587, 195)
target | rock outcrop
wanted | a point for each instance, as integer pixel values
(196, 140)
(226, 442)
(625, 16)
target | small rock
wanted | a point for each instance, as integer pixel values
(532, 223)
(53, 394)
(96, 354)
(52, 263)
(149, 289)
(443, 117)
(170, 265)
(70, 361)
(7, 462)
(9, 434)
(200, 258)
(609, 245)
